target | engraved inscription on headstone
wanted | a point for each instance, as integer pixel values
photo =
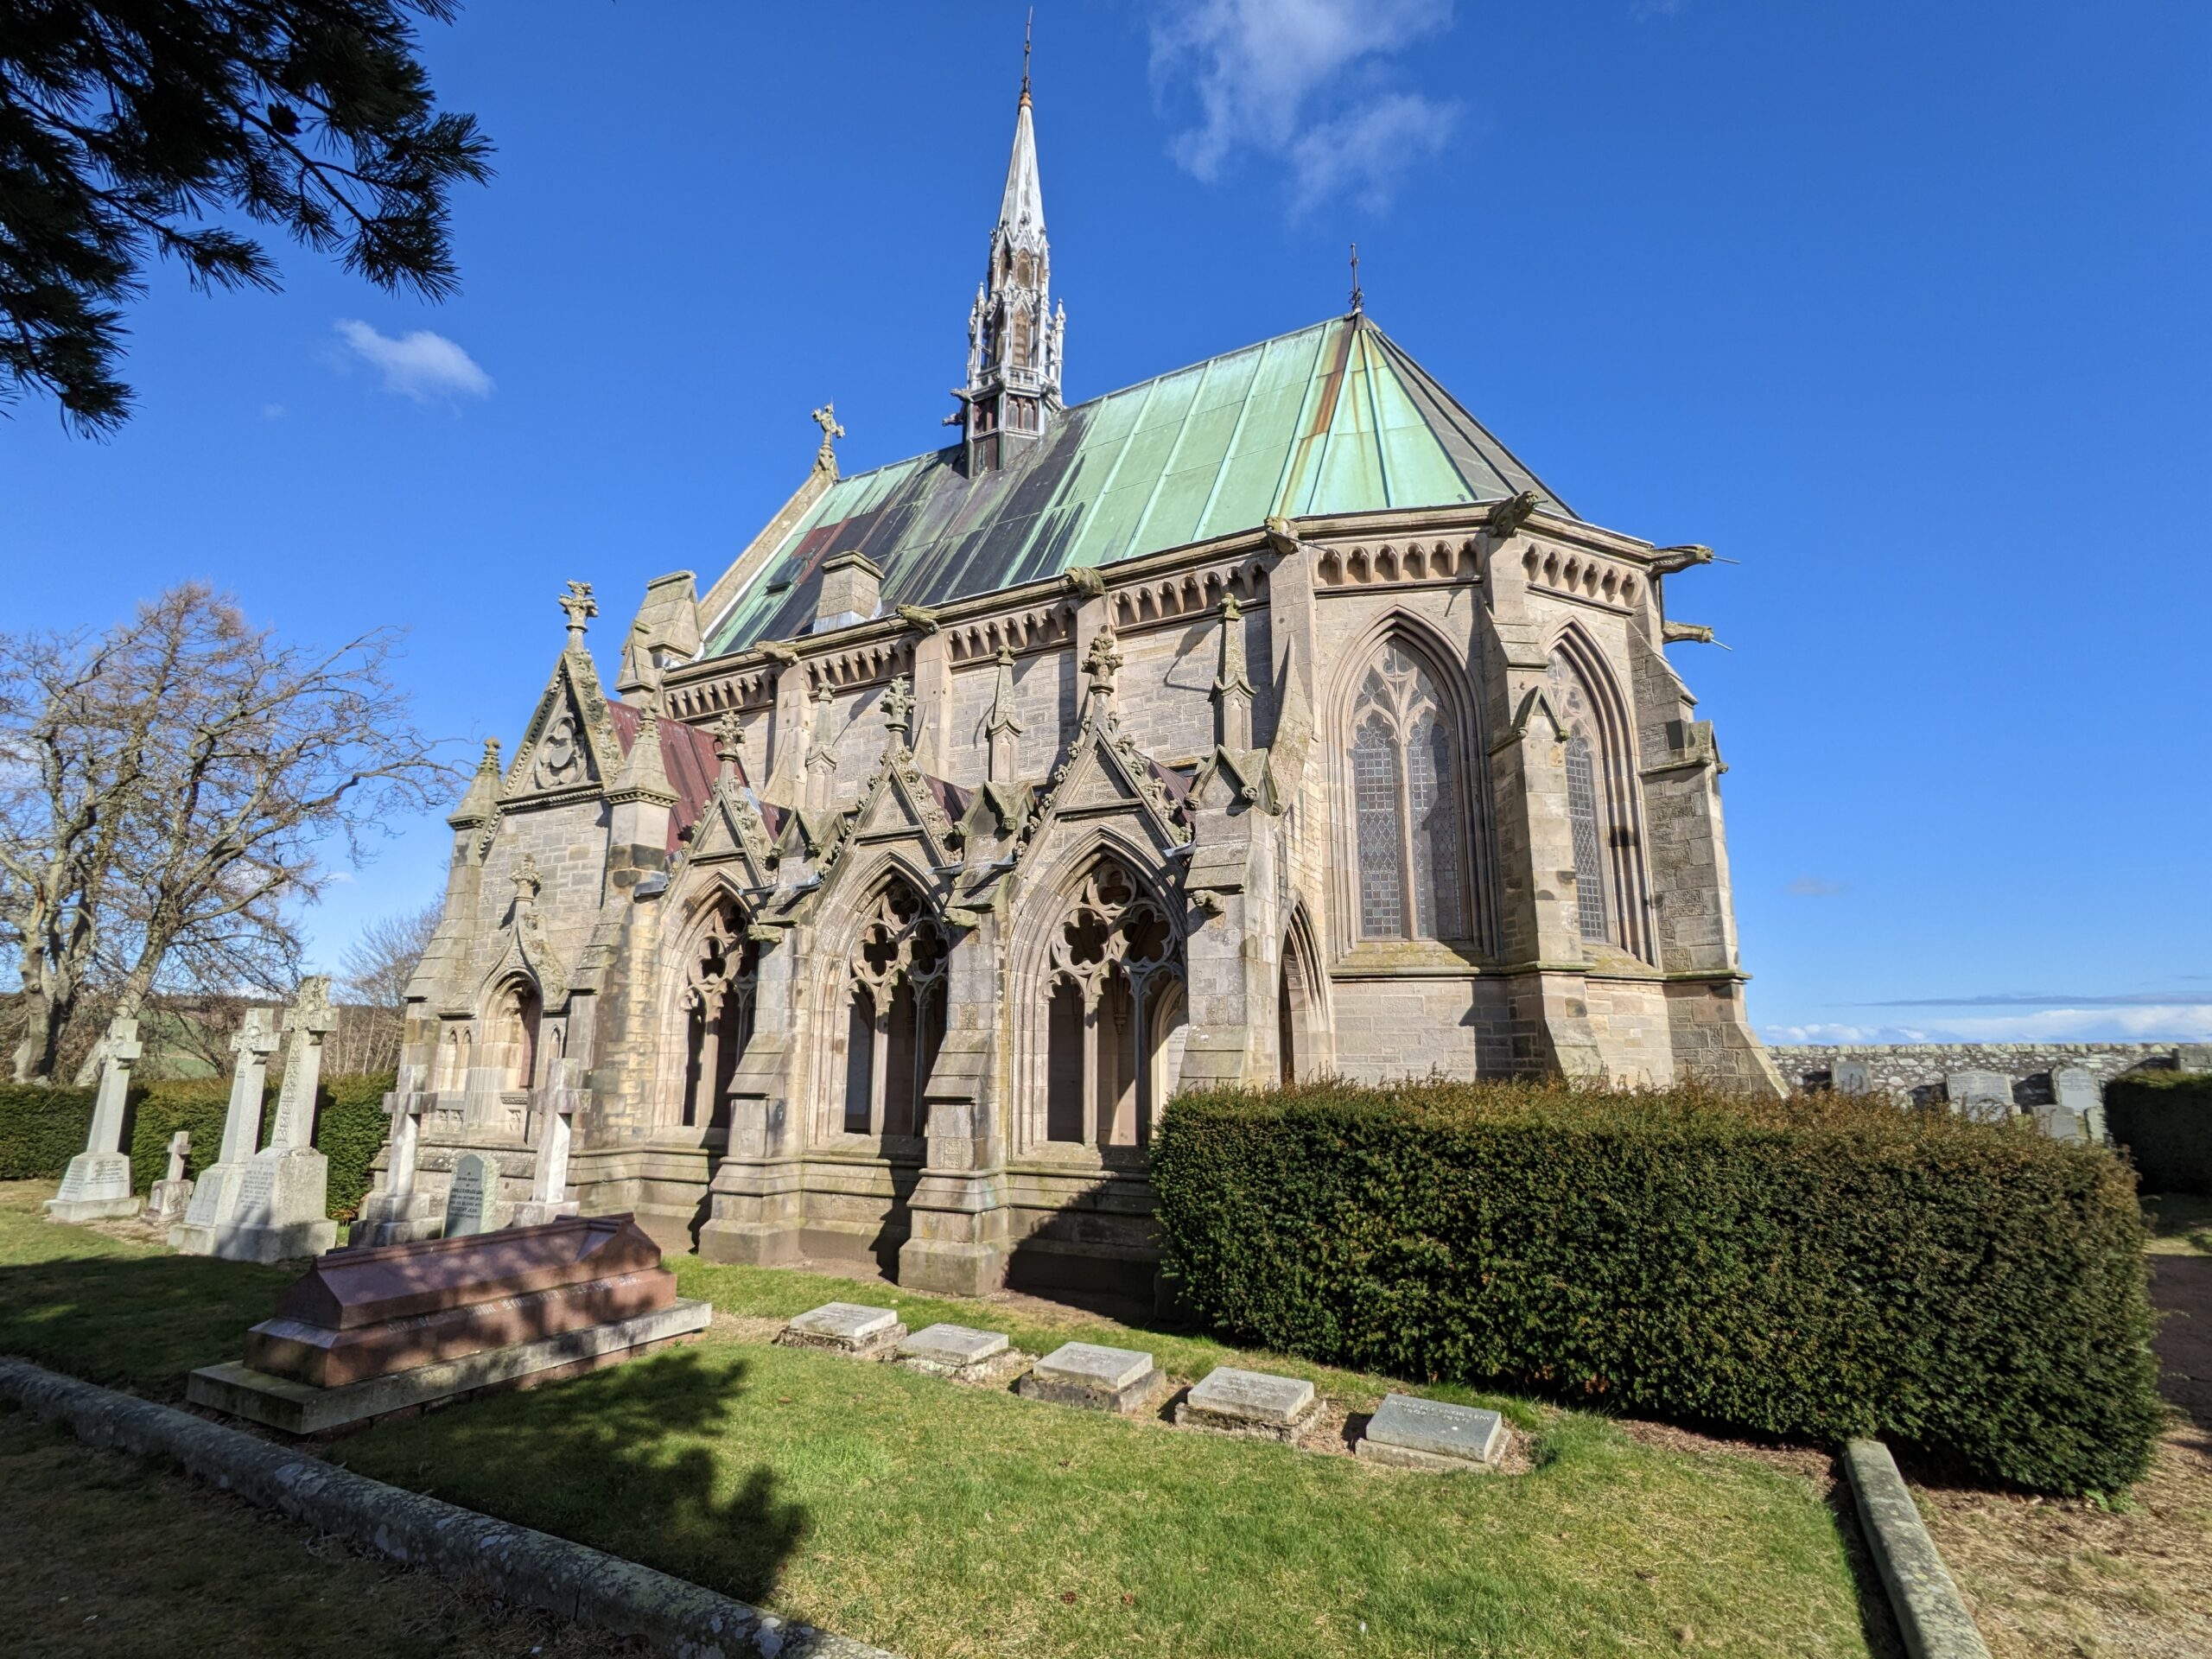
(469, 1200)
(257, 1188)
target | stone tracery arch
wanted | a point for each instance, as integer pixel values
(895, 1012)
(718, 970)
(1604, 806)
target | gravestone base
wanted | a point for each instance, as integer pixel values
(384, 1220)
(214, 1206)
(280, 1203)
(1249, 1403)
(535, 1212)
(96, 1188)
(1410, 1433)
(1091, 1378)
(168, 1201)
(846, 1328)
(962, 1354)
(296, 1407)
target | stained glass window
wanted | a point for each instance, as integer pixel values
(1406, 802)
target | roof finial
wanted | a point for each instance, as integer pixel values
(1028, 29)
(1358, 298)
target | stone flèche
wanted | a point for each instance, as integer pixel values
(1085, 1375)
(846, 1328)
(1256, 1403)
(1413, 1433)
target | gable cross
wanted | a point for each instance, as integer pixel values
(826, 417)
(581, 607)
(898, 705)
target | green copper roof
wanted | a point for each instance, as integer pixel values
(1334, 418)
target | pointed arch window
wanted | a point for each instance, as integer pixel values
(1115, 1027)
(1599, 808)
(1407, 805)
(895, 1020)
(720, 978)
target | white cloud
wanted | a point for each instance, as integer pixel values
(422, 366)
(1644, 11)
(2173, 1022)
(1305, 82)
(273, 411)
(1814, 886)
(1819, 1033)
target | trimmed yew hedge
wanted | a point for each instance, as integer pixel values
(2165, 1120)
(42, 1129)
(1822, 1268)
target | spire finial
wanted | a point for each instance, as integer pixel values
(1358, 297)
(1028, 29)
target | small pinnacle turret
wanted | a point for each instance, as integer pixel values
(1015, 336)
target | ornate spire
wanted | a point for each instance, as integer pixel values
(1001, 729)
(729, 745)
(1232, 687)
(899, 710)
(1015, 337)
(822, 754)
(1100, 663)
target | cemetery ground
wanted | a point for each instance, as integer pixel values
(936, 1518)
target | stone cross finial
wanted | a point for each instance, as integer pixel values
(527, 881)
(729, 742)
(898, 706)
(180, 1146)
(1103, 660)
(580, 608)
(1000, 726)
(825, 458)
(309, 1019)
(490, 763)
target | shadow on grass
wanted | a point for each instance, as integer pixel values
(624, 1459)
(140, 1322)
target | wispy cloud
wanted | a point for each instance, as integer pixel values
(2041, 1000)
(1309, 83)
(1820, 1033)
(1814, 886)
(1644, 11)
(273, 411)
(2088, 1020)
(421, 365)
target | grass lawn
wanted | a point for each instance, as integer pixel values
(2180, 1223)
(107, 1556)
(939, 1519)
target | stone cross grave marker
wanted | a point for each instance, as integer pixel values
(173, 1191)
(1984, 1097)
(215, 1194)
(284, 1195)
(470, 1199)
(97, 1185)
(548, 1179)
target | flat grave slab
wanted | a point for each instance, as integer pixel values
(960, 1352)
(846, 1328)
(1092, 1378)
(1231, 1401)
(1414, 1434)
(366, 1333)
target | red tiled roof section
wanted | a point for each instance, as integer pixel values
(687, 754)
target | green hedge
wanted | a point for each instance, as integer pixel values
(42, 1129)
(2165, 1120)
(1820, 1267)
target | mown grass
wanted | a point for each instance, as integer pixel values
(2180, 1223)
(940, 1520)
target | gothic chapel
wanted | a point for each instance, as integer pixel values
(1266, 720)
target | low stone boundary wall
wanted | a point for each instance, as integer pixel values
(1917, 1070)
(1932, 1616)
(535, 1568)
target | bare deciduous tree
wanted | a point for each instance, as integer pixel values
(372, 976)
(168, 794)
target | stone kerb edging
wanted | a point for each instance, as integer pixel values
(1931, 1614)
(571, 1580)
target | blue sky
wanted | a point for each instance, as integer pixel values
(1900, 306)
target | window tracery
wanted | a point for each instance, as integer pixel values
(720, 979)
(1409, 818)
(1594, 813)
(1116, 1013)
(896, 1015)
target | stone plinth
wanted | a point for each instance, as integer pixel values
(1092, 1378)
(960, 1352)
(846, 1328)
(363, 1333)
(1430, 1434)
(168, 1201)
(96, 1187)
(277, 1213)
(1253, 1403)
